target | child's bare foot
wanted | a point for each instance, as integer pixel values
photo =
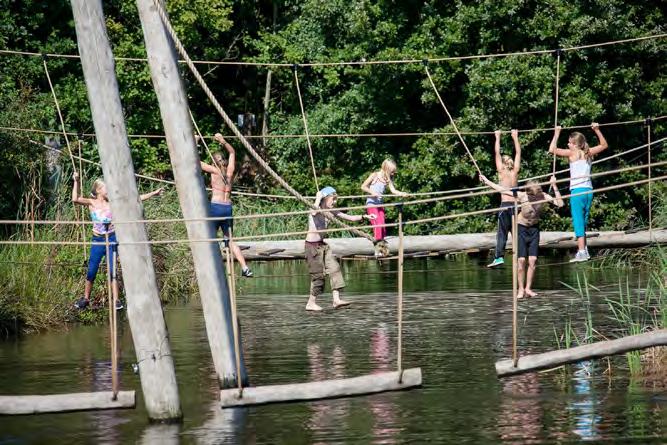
(520, 295)
(530, 293)
(312, 306)
(340, 303)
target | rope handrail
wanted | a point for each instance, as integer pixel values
(348, 135)
(359, 62)
(433, 193)
(333, 230)
(334, 210)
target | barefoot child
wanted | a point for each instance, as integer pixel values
(528, 236)
(580, 156)
(375, 186)
(319, 257)
(508, 174)
(222, 177)
(103, 229)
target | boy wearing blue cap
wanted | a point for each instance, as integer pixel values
(319, 257)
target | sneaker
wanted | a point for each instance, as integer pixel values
(580, 257)
(246, 272)
(496, 262)
(81, 303)
(119, 305)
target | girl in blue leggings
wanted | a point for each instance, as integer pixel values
(580, 156)
(103, 230)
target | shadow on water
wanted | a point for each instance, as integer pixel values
(457, 324)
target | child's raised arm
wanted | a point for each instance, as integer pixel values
(496, 147)
(76, 192)
(517, 151)
(231, 162)
(565, 153)
(366, 185)
(602, 146)
(496, 187)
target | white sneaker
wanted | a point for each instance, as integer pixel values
(580, 257)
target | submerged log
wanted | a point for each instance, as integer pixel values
(61, 403)
(326, 389)
(552, 359)
(346, 247)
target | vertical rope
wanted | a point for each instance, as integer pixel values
(451, 119)
(60, 115)
(558, 53)
(515, 277)
(650, 191)
(399, 347)
(208, 151)
(305, 126)
(81, 181)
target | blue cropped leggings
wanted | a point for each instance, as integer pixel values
(99, 251)
(580, 206)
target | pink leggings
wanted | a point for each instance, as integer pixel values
(379, 231)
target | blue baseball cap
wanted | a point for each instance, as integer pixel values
(327, 191)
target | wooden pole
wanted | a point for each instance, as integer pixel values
(144, 311)
(515, 277)
(551, 359)
(208, 260)
(60, 403)
(399, 347)
(112, 316)
(650, 191)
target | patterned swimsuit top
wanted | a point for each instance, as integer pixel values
(102, 221)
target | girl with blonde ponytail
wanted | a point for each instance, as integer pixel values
(580, 155)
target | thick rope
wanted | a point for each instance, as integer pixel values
(301, 233)
(553, 170)
(193, 69)
(451, 119)
(305, 126)
(360, 62)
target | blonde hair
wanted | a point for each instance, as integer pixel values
(96, 186)
(533, 188)
(387, 166)
(508, 162)
(222, 163)
(579, 141)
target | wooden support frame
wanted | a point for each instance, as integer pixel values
(63, 403)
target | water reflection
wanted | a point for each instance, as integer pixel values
(584, 406)
(520, 419)
(384, 429)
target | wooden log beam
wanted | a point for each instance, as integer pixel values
(344, 247)
(552, 359)
(62, 403)
(326, 389)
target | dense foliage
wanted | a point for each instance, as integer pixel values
(613, 83)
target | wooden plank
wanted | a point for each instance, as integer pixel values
(62, 403)
(552, 359)
(270, 252)
(327, 389)
(144, 308)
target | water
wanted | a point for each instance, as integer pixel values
(457, 324)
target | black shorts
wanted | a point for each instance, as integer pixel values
(528, 241)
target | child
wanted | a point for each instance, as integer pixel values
(528, 236)
(580, 156)
(319, 257)
(103, 230)
(508, 173)
(375, 185)
(222, 177)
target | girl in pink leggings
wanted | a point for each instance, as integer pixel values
(375, 186)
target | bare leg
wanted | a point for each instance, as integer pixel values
(312, 305)
(236, 250)
(337, 302)
(520, 271)
(87, 290)
(529, 276)
(581, 243)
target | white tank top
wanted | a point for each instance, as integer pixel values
(580, 174)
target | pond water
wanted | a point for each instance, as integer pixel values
(457, 324)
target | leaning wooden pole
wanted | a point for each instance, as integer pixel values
(515, 278)
(552, 359)
(191, 192)
(144, 311)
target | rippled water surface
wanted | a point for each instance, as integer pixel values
(457, 324)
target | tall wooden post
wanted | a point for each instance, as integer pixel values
(149, 331)
(191, 192)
